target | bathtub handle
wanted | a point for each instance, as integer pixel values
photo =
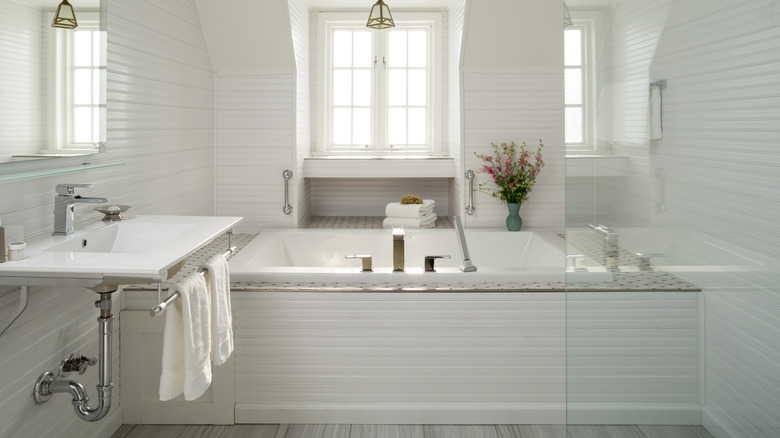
(470, 177)
(287, 175)
(430, 259)
(367, 264)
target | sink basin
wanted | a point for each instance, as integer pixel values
(124, 237)
(139, 249)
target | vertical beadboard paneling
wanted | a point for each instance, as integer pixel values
(517, 107)
(399, 357)
(22, 81)
(160, 124)
(299, 23)
(256, 120)
(369, 197)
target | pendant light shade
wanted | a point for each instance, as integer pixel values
(380, 17)
(566, 17)
(65, 18)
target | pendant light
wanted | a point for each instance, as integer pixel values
(380, 17)
(566, 17)
(65, 18)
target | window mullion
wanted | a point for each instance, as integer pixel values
(380, 92)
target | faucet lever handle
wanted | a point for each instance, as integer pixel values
(430, 259)
(367, 264)
(68, 189)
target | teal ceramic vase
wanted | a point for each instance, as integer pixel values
(513, 221)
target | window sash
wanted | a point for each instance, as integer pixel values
(382, 111)
(580, 113)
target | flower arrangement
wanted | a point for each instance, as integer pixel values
(514, 172)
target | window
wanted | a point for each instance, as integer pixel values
(379, 91)
(578, 95)
(75, 102)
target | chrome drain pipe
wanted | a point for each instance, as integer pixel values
(47, 385)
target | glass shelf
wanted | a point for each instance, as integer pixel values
(22, 173)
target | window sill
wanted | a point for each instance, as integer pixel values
(379, 167)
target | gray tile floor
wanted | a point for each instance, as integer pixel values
(408, 431)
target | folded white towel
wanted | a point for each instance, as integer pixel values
(396, 209)
(218, 276)
(408, 222)
(655, 112)
(186, 358)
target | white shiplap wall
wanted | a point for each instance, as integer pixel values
(369, 197)
(301, 38)
(720, 153)
(409, 358)
(22, 82)
(452, 94)
(160, 104)
(517, 107)
(633, 357)
(255, 141)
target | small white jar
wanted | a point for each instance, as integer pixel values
(17, 251)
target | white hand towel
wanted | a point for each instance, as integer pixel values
(186, 358)
(655, 119)
(408, 222)
(218, 276)
(396, 209)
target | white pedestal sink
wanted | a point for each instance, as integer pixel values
(138, 249)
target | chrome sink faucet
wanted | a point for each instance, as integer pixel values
(65, 204)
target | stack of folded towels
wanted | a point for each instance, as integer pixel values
(400, 214)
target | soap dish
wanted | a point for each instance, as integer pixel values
(112, 212)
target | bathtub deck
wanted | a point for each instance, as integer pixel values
(623, 281)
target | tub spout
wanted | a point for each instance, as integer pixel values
(467, 266)
(398, 249)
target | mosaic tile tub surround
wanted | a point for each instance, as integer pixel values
(622, 281)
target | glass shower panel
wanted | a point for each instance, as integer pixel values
(677, 206)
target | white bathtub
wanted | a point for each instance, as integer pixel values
(318, 256)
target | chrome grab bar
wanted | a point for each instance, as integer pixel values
(470, 207)
(467, 266)
(287, 175)
(161, 306)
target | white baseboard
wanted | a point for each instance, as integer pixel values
(634, 413)
(248, 413)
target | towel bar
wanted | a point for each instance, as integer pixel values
(161, 306)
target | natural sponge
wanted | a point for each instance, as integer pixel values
(411, 199)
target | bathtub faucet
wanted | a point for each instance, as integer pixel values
(610, 260)
(398, 249)
(467, 266)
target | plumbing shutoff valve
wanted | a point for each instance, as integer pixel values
(74, 363)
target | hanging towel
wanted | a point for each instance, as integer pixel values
(408, 222)
(218, 276)
(186, 356)
(655, 114)
(396, 209)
